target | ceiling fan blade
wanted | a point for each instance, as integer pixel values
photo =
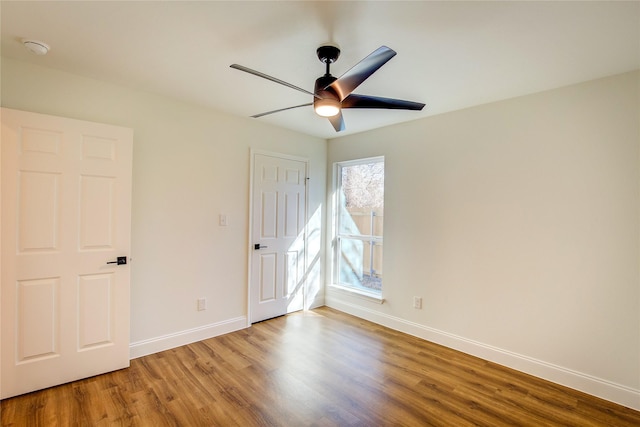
(273, 79)
(350, 80)
(337, 121)
(282, 109)
(364, 101)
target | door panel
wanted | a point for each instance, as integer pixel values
(267, 279)
(278, 225)
(269, 221)
(291, 214)
(97, 206)
(38, 319)
(66, 212)
(38, 212)
(95, 310)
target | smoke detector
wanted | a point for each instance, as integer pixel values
(36, 47)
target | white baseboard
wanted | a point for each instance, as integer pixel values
(607, 390)
(166, 342)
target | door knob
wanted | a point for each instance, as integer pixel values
(259, 246)
(119, 261)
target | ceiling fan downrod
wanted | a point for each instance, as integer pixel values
(328, 54)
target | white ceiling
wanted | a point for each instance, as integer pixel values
(451, 55)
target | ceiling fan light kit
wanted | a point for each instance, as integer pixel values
(332, 94)
(326, 107)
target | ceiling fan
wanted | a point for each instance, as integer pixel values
(332, 94)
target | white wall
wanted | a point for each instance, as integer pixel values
(518, 223)
(190, 164)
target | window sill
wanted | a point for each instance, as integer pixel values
(369, 296)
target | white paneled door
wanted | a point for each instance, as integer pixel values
(66, 221)
(278, 239)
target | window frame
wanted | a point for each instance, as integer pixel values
(337, 236)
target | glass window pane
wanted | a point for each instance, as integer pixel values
(361, 199)
(350, 262)
(355, 264)
(372, 263)
(360, 213)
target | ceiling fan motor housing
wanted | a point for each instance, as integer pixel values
(326, 96)
(321, 88)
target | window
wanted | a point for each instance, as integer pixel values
(359, 212)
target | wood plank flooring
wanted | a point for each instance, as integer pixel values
(320, 368)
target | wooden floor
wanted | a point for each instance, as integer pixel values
(320, 368)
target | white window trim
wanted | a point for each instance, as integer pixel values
(335, 285)
(369, 296)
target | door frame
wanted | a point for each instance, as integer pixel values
(252, 153)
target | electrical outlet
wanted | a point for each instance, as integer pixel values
(417, 302)
(202, 304)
